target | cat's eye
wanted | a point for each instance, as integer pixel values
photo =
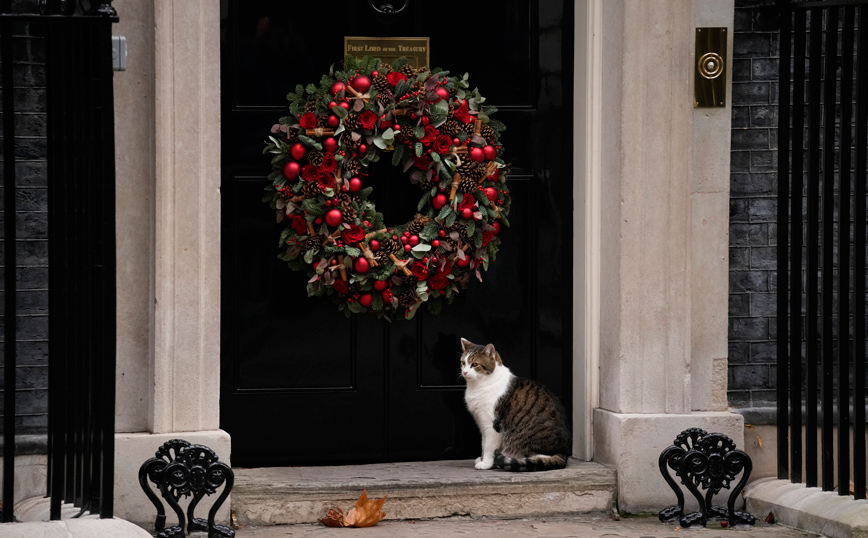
(474, 365)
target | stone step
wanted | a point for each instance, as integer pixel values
(291, 495)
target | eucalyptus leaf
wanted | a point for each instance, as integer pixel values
(340, 111)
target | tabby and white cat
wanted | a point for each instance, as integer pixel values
(523, 425)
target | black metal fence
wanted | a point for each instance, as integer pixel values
(822, 141)
(81, 249)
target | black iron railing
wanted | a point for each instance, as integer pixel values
(81, 274)
(822, 142)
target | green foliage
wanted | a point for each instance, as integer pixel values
(398, 155)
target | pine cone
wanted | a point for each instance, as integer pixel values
(450, 128)
(408, 70)
(310, 106)
(418, 224)
(292, 136)
(381, 84)
(406, 298)
(417, 86)
(349, 143)
(405, 135)
(462, 234)
(315, 158)
(471, 170)
(385, 68)
(350, 213)
(468, 185)
(385, 98)
(352, 123)
(488, 134)
(310, 189)
(314, 243)
(344, 199)
(322, 122)
(389, 246)
(381, 257)
(353, 166)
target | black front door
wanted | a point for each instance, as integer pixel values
(301, 384)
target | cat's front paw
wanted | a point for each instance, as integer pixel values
(484, 465)
(478, 459)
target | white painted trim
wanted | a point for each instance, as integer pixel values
(586, 224)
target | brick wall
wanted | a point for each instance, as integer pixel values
(753, 207)
(32, 229)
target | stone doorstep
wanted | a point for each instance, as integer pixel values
(809, 509)
(292, 495)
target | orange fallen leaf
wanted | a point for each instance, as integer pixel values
(335, 518)
(366, 513)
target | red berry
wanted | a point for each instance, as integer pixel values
(435, 243)
(441, 233)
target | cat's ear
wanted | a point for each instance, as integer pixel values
(466, 344)
(491, 352)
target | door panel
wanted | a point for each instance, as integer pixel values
(302, 384)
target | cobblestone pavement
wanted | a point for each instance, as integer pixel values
(555, 527)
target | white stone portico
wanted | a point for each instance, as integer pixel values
(651, 198)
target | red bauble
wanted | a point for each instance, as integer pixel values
(407, 248)
(344, 105)
(337, 87)
(425, 120)
(332, 104)
(361, 83)
(385, 124)
(476, 154)
(435, 243)
(363, 149)
(491, 193)
(387, 297)
(291, 170)
(375, 245)
(333, 121)
(463, 263)
(356, 185)
(330, 145)
(442, 93)
(439, 201)
(365, 300)
(441, 233)
(375, 74)
(414, 240)
(362, 266)
(381, 285)
(298, 151)
(334, 218)
(489, 152)
(496, 226)
(405, 239)
(466, 213)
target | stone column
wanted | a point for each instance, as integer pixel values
(168, 167)
(664, 244)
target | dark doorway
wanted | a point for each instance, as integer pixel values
(301, 384)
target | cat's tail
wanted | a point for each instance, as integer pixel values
(536, 462)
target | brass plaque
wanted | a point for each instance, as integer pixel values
(709, 79)
(389, 49)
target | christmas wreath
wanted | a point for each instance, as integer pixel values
(443, 137)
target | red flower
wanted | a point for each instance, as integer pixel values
(308, 121)
(299, 224)
(468, 202)
(486, 237)
(442, 144)
(326, 181)
(341, 287)
(328, 163)
(419, 270)
(439, 280)
(423, 162)
(431, 133)
(353, 234)
(310, 172)
(395, 77)
(368, 119)
(462, 113)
